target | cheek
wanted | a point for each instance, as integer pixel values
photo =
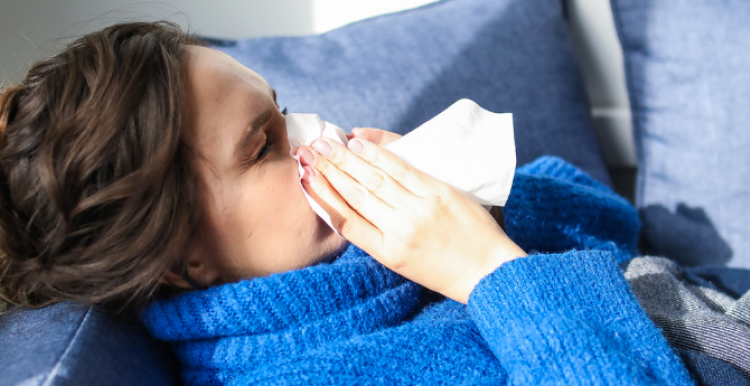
(280, 197)
(292, 191)
(300, 219)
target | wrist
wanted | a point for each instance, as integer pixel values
(505, 251)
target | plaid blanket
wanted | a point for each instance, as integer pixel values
(707, 323)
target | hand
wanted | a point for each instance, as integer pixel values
(377, 136)
(414, 224)
(382, 138)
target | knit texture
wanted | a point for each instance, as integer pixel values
(693, 313)
(554, 206)
(564, 315)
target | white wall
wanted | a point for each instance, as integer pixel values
(33, 29)
(30, 29)
(331, 14)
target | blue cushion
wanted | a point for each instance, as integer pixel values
(67, 344)
(397, 71)
(688, 73)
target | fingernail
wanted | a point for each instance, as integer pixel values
(306, 157)
(309, 173)
(356, 146)
(322, 147)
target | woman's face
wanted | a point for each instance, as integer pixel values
(256, 220)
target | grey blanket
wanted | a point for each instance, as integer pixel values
(693, 313)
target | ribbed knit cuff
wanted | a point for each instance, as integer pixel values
(570, 317)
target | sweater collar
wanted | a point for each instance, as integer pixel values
(322, 295)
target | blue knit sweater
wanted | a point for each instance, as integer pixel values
(562, 315)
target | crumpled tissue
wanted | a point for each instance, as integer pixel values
(465, 146)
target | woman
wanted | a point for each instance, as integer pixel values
(137, 164)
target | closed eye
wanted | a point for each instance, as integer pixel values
(267, 147)
(253, 160)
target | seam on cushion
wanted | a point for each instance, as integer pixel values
(53, 373)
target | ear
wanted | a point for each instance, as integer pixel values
(199, 271)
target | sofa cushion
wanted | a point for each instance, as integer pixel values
(687, 68)
(66, 344)
(397, 71)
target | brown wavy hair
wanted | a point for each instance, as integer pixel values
(96, 198)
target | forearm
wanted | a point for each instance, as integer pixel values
(571, 318)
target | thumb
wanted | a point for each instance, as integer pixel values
(377, 136)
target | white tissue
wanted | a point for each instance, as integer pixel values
(465, 146)
(303, 130)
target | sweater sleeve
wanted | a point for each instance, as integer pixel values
(571, 319)
(554, 206)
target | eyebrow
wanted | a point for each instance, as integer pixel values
(254, 126)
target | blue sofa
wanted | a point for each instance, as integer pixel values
(68, 344)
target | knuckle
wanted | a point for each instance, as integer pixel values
(399, 172)
(323, 167)
(338, 157)
(344, 225)
(442, 195)
(356, 199)
(372, 155)
(317, 188)
(375, 182)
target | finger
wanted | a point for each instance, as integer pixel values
(373, 179)
(410, 178)
(347, 222)
(364, 202)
